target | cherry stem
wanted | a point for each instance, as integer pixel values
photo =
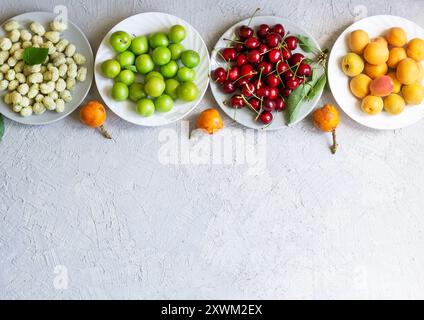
(236, 41)
(253, 15)
(335, 145)
(105, 133)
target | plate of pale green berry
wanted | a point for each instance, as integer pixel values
(152, 69)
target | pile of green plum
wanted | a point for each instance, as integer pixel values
(167, 70)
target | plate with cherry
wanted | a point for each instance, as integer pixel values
(257, 65)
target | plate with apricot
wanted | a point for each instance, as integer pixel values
(376, 72)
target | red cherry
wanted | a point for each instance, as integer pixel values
(248, 90)
(287, 75)
(269, 105)
(272, 93)
(233, 74)
(292, 83)
(239, 47)
(274, 56)
(304, 70)
(262, 92)
(252, 43)
(286, 92)
(279, 29)
(257, 83)
(219, 75)
(229, 54)
(282, 67)
(273, 81)
(263, 48)
(273, 40)
(237, 102)
(265, 67)
(240, 83)
(286, 54)
(245, 32)
(228, 87)
(241, 59)
(246, 71)
(296, 59)
(301, 80)
(266, 117)
(292, 43)
(254, 57)
(280, 105)
(263, 30)
(255, 103)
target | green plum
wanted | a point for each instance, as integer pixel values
(126, 76)
(161, 56)
(145, 107)
(111, 68)
(120, 41)
(158, 40)
(176, 50)
(140, 45)
(177, 34)
(187, 91)
(120, 91)
(185, 74)
(164, 103)
(169, 70)
(144, 63)
(154, 87)
(190, 58)
(126, 58)
(171, 86)
(151, 75)
(136, 91)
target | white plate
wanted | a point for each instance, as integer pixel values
(375, 26)
(75, 36)
(145, 24)
(246, 117)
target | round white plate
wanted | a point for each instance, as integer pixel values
(375, 26)
(75, 36)
(247, 117)
(145, 24)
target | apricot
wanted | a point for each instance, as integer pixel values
(376, 53)
(415, 49)
(352, 64)
(381, 86)
(407, 71)
(394, 104)
(375, 71)
(413, 93)
(397, 37)
(381, 40)
(372, 105)
(210, 120)
(358, 40)
(360, 86)
(396, 55)
(327, 119)
(396, 84)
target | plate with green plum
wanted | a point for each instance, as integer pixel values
(151, 69)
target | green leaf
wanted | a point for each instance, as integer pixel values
(1, 127)
(318, 87)
(306, 44)
(33, 56)
(131, 68)
(295, 101)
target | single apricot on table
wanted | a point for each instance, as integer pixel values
(210, 120)
(415, 49)
(394, 104)
(360, 86)
(327, 119)
(396, 55)
(372, 105)
(407, 71)
(376, 70)
(397, 37)
(413, 94)
(358, 40)
(376, 53)
(93, 114)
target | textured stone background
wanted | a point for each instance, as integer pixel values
(124, 225)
